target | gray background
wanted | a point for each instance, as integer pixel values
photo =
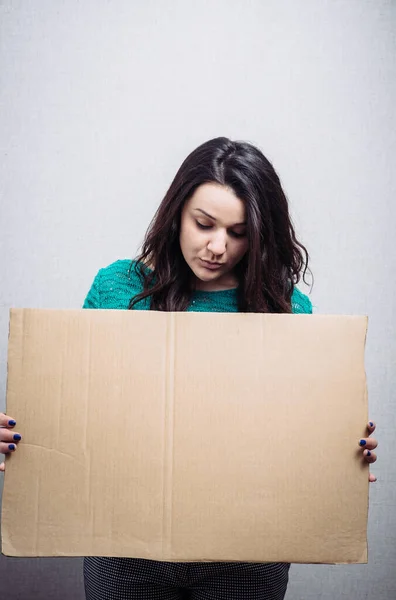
(101, 101)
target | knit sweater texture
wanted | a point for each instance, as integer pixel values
(116, 285)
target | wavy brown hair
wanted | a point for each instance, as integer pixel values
(275, 260)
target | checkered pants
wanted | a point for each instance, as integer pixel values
(138, 579)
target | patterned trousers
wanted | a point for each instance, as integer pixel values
(139, 579)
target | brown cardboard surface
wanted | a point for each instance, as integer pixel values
(187, 436)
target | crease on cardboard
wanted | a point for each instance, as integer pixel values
(15, 355)
(17, 326)
(88, 367)
(37, 518)
(86, 451)
(168, 434)
(60, 392)
(54, 451)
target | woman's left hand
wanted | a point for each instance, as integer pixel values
(368, 444)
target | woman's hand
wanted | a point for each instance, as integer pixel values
(368, 444)
(8, 437)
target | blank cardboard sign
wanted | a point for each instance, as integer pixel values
(187, 436)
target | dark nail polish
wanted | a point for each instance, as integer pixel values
(11, 447)
(371, 424)
(368, 453)
(362, 442)
(12, 423)
(17, 437)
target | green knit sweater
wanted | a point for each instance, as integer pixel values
(115, 286)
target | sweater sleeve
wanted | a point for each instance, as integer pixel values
(93, 297)
(301, 304)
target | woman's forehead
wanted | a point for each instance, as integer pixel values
(219, 201)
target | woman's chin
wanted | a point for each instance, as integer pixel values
(203, 274)
(205, 277)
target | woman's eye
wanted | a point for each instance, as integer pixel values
(201, 226)
(234, 234)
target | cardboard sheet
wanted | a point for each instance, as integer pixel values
(187, 436)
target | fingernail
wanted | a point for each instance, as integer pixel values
(17, 437)
(368, 453)
(371, 424)
(362, 442)
(12, 423)
(11, 447)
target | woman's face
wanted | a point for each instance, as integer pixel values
(213, 236)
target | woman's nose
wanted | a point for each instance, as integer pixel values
(217, 244)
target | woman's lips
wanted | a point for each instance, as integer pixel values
(212, 266)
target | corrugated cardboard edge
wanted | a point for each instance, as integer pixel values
(16, 317)
(364, 558)
(168, 437)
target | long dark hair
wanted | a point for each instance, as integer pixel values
(275, 259)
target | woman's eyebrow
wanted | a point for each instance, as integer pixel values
(205, 213)
(214, 219)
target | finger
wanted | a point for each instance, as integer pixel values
(369, 443)
(6, 421)
(372, 478)
(371, 426)
(7, 448)
(370, 457)
(2, 466)
(8, 436)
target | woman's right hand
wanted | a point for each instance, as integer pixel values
(9, 438)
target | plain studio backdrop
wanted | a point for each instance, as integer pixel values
(100, 103)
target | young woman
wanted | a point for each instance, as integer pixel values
(221, 241)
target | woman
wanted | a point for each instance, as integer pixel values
(221, 241)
